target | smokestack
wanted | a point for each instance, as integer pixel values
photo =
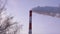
(30, 22)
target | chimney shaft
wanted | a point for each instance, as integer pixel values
(30, 22)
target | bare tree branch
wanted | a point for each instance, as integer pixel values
(3, 6)
(7, 26)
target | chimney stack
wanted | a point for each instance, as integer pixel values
(30, 22)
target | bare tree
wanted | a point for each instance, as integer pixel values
(6, 24)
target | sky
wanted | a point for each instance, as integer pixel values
(42, 24)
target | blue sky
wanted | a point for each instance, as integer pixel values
(42, 24)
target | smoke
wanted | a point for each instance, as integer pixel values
(50, 11)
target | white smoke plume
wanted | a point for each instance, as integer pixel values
(50, 11)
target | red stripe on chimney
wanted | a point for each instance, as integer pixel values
(30, 13)
(30, 25)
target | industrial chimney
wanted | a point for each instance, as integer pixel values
(30, 22)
